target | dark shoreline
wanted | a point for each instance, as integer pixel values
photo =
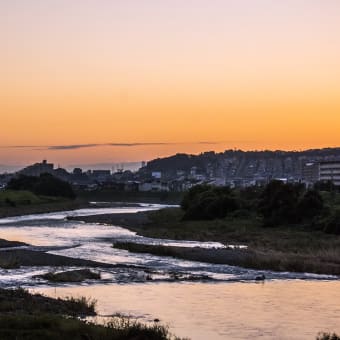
(134, 221)
(24, 315)
(14, 258)
(42, 208)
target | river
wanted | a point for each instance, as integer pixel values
(225, 304)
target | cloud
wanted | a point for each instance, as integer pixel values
(92, 145)
(71, 147)
(80, 146)
(140, 144)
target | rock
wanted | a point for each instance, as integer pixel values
(260, 278)
(71, 276)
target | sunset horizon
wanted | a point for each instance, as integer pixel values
(245, 74)
(170, 169)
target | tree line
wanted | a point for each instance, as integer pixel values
(276, 204)
(43, 185)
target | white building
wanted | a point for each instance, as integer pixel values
(330, 171)
(153, 186)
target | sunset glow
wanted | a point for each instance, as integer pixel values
(172, 76)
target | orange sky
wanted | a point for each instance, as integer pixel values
(246, 74)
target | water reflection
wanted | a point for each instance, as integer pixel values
(94, 242)
(287, 310)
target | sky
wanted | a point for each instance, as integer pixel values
(86, 81)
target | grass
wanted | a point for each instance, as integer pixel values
(270, 260)
(55, 327)
(168, 223)
(12, 262)
(14, 198)
(13, 203)
(14, 301)
(24, 316)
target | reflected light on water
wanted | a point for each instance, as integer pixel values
(287, 310)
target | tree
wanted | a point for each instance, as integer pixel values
(207, 202)
(45, 184)
(310, 205)
(278, 203)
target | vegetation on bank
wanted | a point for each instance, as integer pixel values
(30, 195)
(35, 317)
(275, 204)
(43, 185)
(13, 198)
(111, 195)
(320, 263)
(284, 226)
(20, 301)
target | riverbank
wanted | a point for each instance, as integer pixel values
(42, 207)
(296, 249)
(111, 195)
(240, 257)
(15, 258)
(34, 316)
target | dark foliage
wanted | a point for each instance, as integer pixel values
(249, 197)
(283, 203)
(310, 205)
(277, 204)
(331, 223)
(207, 203)
(325, 186)
(45, 184)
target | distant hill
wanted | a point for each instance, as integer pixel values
(243, 164)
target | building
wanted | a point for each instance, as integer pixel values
(156, 174)
(330, 171)
(37, 169)
(310, 173)
(101, 175)
(154, 185)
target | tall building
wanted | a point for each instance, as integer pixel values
(330, 171)
(310, 173)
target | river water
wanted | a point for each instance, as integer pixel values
(226, 302)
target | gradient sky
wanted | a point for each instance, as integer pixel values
(165, 76)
